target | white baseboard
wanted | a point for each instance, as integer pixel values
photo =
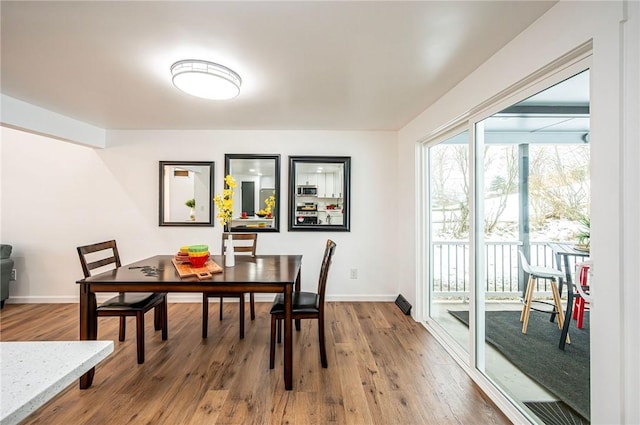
(51, 299)
(361, 298)
(190, 298)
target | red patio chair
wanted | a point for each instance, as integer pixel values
(581, 304)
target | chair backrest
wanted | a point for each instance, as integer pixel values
(525, 263)
(248, 242)
(324, 269)
(107, 253)
(584, 283)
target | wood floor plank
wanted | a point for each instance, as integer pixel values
(383, 369)
(355, 401)
(209, 407)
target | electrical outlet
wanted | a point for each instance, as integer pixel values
(14, 274)
(353, 274)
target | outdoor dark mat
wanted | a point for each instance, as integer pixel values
(555, 413)
(563, 373)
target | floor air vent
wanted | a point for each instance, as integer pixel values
(403, 304)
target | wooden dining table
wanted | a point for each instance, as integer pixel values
(262, 273)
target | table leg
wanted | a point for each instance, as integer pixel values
(297, 289)
(567, 271)
(568, 314)
(567, 319)
(560, 282)
(288, 339)
(88, 327)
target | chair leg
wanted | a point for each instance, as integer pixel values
(272, 343)
(164, 319)
(140, 336)
(526, 310)
(252, 305)
(279, 331)
(157, 317)
(241, 316)
(123, 328)
(558, 306)
(205, 315)
(524, 300)
(323, 350)
(581, 308)
(221, 298)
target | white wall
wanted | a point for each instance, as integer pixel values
(57, 196)
(565, 27)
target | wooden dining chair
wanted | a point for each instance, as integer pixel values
(305, 305)
(243, 243)
(125, 304)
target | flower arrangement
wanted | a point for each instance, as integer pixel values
(191, 203)
(224, 202)
(270, 202)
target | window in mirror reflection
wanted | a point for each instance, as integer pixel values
(256, 197)
(186, 192)
(319, 193)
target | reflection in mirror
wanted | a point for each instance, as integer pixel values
(257, 195)
(186, 193)
(319, 193)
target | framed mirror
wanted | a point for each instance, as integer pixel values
(186, 193)
(256, 198)
(319, 193)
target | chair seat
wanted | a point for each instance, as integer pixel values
(303, 303)
(546, 272)
(132, 300)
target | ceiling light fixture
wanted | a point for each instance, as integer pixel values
(204, 79)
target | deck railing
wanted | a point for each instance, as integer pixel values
(450, 268)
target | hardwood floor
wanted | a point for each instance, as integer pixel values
(383, 369)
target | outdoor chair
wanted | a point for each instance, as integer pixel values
(582, 298)
(535, 273)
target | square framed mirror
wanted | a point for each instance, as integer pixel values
(319, 193)
(186, 193)
(256, 199)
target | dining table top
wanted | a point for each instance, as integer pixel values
(261, 269)
(565, 248)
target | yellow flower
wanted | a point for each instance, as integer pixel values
(230, 181)
(224, 202)
(270, 202)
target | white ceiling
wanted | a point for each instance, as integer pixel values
(305, 65)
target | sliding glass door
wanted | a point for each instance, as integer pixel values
(509, 182)
(449, 284)
(532, 186)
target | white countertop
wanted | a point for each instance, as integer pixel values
(251, 222)
(32, 372)
(252, 218)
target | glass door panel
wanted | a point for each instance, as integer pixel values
(449, 236)
(532, 188)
